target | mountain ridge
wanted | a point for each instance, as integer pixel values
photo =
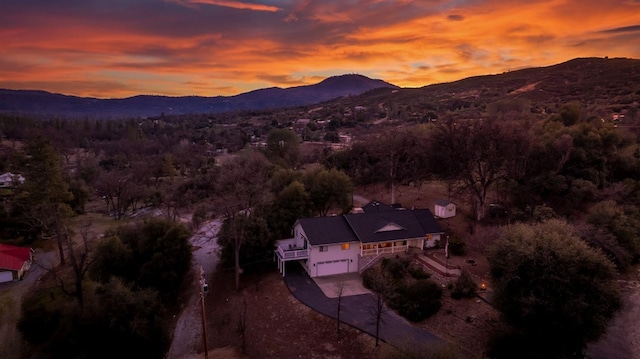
(44, 103)
(603, 86)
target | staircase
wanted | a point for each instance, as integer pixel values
(366, 262)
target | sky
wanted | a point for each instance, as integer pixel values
(123, 48)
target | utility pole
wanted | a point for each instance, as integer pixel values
(203, 289)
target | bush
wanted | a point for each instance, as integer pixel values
(368, 278)
(396, 267)
(464, 286)
(457, 247)
(417, 301)
(419, 273)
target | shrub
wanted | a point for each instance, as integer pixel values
(418, 273)
(395, 267)
(369, 277)
(417, 301)
(464, 286)
(457, 247)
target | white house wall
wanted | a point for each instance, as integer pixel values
(6, 276)
(333, 256)
(431, 242)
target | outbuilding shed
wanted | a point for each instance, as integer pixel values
(14, 262)
(444, 208)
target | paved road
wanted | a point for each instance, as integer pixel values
(187, 336)
(11, 294)
(357, 311)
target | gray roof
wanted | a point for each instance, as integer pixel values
(327, 230)
(393, 225)
(443, 202)
(370, 227)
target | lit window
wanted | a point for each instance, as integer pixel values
(345, 246)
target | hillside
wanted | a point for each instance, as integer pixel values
(42, 103)
(603, 86)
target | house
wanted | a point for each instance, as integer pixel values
(8, 180)
(444, 208)
(350, 242)
(14, 262)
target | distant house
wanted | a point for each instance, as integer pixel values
(14, 262)
(444, 208)
(350, 242)
(9, 180)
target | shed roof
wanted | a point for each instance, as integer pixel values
(13, 257)
(443, 202)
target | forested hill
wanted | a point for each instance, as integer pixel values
(602, 86)
(42, 103)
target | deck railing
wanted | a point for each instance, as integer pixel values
(291, 253)
(383, 250)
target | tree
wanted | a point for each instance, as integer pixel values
(283, 147)
(45, 195)
(377, 279)
(340, 291)
(479, 154)
(242, 186)
(154, 253)
(118, 190)
(403, 157)
(552, 287)
(623, 223)
(327, 188)
(289, 204)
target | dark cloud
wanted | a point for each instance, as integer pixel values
(633, 28)
(455, 17)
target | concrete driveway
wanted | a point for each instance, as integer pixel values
(350, 283)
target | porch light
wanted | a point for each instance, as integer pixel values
(483, 286)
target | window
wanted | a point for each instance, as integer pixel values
(323, 249)
(345, 246)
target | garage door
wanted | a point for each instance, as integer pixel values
(332, 267)
(6, 276)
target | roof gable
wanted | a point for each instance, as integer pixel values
(396, 225)
(390, 227)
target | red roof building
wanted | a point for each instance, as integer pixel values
(14, 262)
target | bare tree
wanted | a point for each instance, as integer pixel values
(116, 187)
(479, 154)
(241, 187)
(340, 291)
(381, 286)
(79, 260)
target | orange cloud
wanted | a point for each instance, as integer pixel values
(137, 47)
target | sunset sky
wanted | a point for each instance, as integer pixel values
(121, 48)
